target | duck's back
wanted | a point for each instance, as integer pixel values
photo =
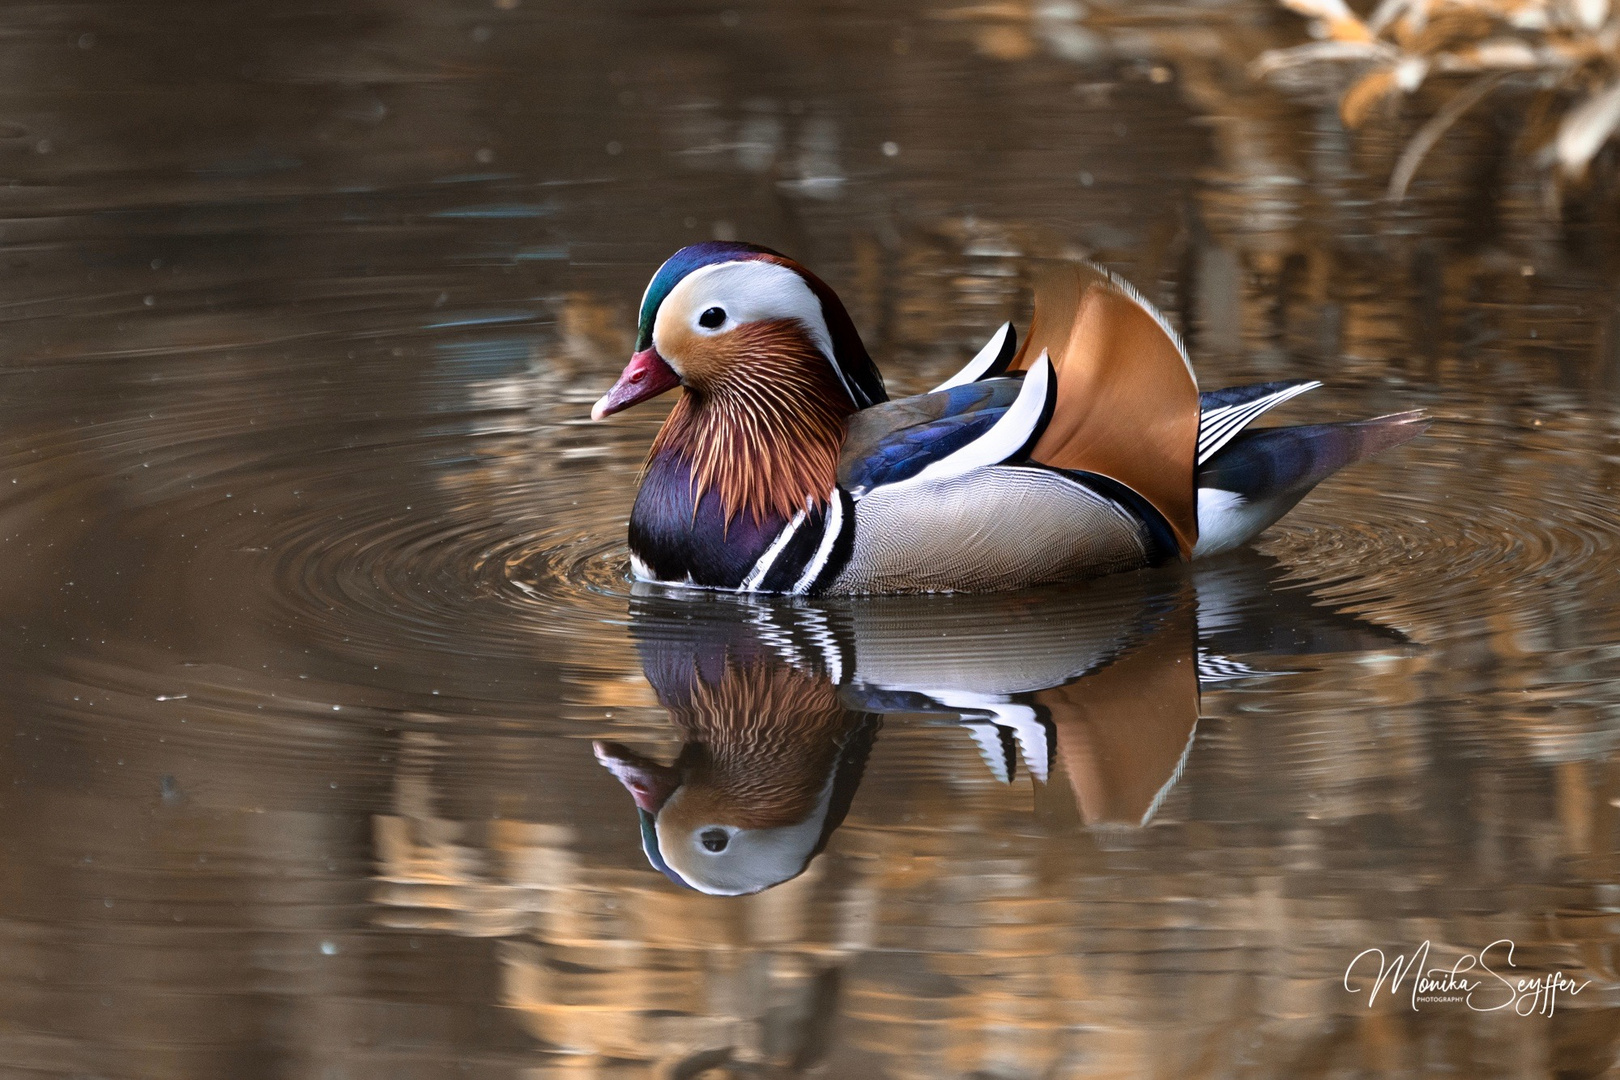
(946, 497)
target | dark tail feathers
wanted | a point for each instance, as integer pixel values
(1270, 470)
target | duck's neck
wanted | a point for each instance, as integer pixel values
(765, 441)
(770, 736)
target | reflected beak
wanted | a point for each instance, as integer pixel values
(648, 782)
(647, 375)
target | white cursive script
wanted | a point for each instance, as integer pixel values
(1487, 991)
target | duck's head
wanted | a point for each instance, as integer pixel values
(720, 315)
(770, 764)
(704, 836)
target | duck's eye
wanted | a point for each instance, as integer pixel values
(714, 839)
(709, 320)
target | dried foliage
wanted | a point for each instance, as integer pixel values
(1566, 51)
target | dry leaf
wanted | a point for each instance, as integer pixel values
(1274, 60)
(1386, 12)
(1587, 127)
(1591, 13)
(1341, 22)
(1417, 16)
(1452, 26)
(1409, 73)
(1504, 53)
(1403, 42)
(1366, 92)
(1326, 10)
(1529, 17)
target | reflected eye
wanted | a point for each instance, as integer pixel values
(709, 320)
(714, 839)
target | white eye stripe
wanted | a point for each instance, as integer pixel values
(748, 291)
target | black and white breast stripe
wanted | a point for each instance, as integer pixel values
(803, 637)
(808, 553)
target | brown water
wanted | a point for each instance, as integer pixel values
(315, 585)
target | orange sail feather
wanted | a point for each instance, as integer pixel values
(1127, 400)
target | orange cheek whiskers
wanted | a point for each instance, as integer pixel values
(765, 426)
(772, 736)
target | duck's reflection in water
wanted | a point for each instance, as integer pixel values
(771, 760)
(1095, 688)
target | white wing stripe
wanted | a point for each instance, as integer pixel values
(1222, 430)
(1006, 437)
(981, 362)
(1217, 427)
(1254, 406)
(1224, 423)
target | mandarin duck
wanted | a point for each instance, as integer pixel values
(778, 701)
(785, 468)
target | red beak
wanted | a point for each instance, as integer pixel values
(647, 375)
(648, 782)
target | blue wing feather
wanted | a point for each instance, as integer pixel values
(894, 441)
(1285, 463)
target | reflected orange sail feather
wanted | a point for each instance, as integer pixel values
(1123, 732)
